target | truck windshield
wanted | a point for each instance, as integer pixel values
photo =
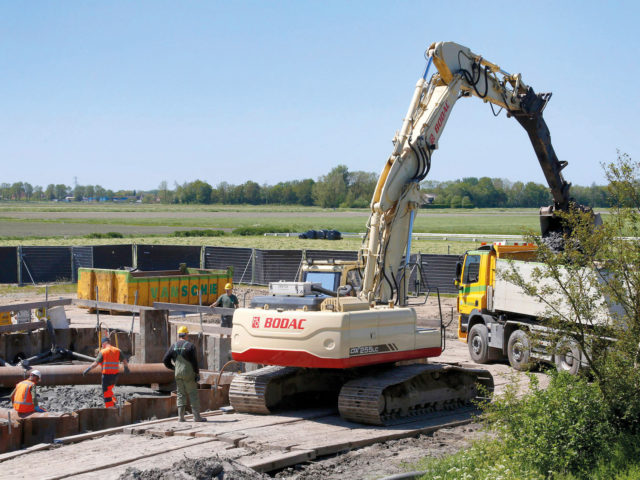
(471, 269)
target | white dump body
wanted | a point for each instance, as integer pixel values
(507, 297)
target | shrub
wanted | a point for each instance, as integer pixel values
(248, 231)
(105, 235)
(198, 233)
(565, 428)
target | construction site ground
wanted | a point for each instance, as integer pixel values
(303, 444)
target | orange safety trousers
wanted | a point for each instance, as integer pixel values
(108, 382)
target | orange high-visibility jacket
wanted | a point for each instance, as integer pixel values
(110, 360)
(22, 399)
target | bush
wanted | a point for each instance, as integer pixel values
(248, 231)
(565, 428)
(198, 233)
(105, 235)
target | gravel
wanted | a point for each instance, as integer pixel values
(196, 469)
(69, 398)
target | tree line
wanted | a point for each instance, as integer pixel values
(339, 188)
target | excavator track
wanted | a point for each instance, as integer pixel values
(410, 391)
(263, 390)
(389, 395)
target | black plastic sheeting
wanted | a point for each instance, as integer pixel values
(237, 258)
(275, 265)
(438, 271)
(82, 258)
(167, 257)
(332, 255)
(46, 264)
(8, 264)
(114, 256)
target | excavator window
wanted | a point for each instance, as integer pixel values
(327, 280)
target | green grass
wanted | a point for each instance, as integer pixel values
(159, 222)
(53, 289)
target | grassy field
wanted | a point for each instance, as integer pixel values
(69, 223)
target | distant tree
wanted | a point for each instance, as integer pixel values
(163, 192)
(61, 191)
(50, 192)
(38, 194)
(28, 190)
(331, 190)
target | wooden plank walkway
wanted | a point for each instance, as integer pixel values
(264, 443)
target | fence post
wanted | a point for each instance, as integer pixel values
(134, 256)
(253, 266)
(73, 272)
(19, 260)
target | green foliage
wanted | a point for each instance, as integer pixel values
(247, 231)
(564, 428)
(198, 233)
(485, 460)
(105, 235)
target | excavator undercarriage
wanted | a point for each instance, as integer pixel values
(381, 395)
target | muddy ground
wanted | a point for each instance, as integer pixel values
(376, 461)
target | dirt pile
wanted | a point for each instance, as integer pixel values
(69, 398)
(196, 469)
(387, 458)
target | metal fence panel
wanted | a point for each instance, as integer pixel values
(45, 264)
(113, 256)
(167, 257)
(224, 257)
(8, 264)
(82, 258)
(332, 254)
(275, 265)
(439, 271)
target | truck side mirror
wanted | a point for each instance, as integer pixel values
(458, 270)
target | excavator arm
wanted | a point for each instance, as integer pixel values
(460, 73)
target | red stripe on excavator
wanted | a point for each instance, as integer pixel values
(305, 359)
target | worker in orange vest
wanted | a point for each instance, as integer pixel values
(24, 397)
(109, 359)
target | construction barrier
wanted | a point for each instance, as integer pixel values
(20, 432)
(191, 286)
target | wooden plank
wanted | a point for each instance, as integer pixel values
(121, 307)
(206, 327)
(14, 307)
(278, 461)
(183, 307)
(20, 327)
(24, 451)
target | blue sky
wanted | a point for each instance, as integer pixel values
(128, 94)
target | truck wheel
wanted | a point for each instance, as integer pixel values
(568, 357)
(519, 350)
(479, 343)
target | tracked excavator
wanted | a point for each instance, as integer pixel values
(366, 350)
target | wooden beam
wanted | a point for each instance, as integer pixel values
(21, 327)
(15, 307)
(121, 307)
(194, 327)
(182, 307)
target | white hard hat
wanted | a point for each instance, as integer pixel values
(36, 373)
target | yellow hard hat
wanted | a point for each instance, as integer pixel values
(182, 330)
(228, 286)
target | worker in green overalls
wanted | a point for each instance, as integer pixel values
(182, 358)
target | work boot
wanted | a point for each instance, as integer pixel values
(196, 415)
(181, 414)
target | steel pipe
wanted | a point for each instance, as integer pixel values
(143, 374)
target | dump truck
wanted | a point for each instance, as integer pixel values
(499, 320)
